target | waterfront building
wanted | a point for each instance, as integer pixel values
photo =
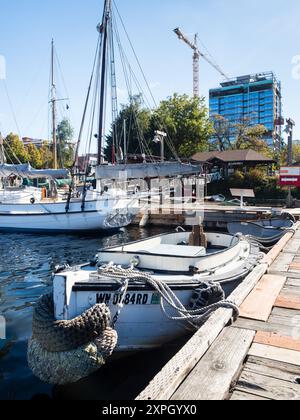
(256, 99)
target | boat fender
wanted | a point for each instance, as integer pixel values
(62, 368)
(32, 200)
(64, 352)
(207, 294)
(61, 336)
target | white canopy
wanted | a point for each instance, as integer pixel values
(146, 170)
(26, 171)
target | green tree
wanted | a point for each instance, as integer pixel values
(221, 136)
(65, 134)
(138, 121)
(186, 121)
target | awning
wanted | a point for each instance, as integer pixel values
(146, 170)
(26, 171)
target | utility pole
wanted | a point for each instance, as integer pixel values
(289, 129)
(53, 103)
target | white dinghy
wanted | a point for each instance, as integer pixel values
(145, 282)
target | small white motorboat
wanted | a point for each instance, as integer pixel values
(134, 277)
(267, 232)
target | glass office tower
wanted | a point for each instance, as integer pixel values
(255, 98)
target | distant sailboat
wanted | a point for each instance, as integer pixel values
(28, 210)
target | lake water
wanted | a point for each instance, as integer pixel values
(26, 264)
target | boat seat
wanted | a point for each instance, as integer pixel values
(175, 251)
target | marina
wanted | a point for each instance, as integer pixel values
(257, 357)
(149, 238)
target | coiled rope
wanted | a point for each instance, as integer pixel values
(194, 318)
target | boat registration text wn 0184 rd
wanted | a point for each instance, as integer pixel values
(128, 299)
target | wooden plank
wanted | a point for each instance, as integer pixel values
(267, 387)
(294, 267)
(163, 386)
(245, 396)
(284, 329)
(273, 369)
(290, 291)
(293, 246)
(276, 340)
(278, 248)
(260, 302)
(214, 374)
(243, 291)
(286, 313)
(273, 353)
(288, 302)
(293, 281)
(282, 263)
(289, 274)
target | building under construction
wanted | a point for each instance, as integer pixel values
(256, 99)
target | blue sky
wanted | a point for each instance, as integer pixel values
(244, 37)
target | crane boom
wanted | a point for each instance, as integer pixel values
(196, 57)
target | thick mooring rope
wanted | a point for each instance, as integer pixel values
(195, 317)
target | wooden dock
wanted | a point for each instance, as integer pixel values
(255, 358)
(214, 215)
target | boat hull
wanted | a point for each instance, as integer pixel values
(268, 232)
(53, 217)
(142, 323)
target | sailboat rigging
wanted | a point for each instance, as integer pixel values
(78, 211)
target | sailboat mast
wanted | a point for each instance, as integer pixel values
(53, 103)
(2, 153)
(103, 29)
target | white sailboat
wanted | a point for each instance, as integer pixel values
(30, 210)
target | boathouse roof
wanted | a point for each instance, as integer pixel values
(231, 156)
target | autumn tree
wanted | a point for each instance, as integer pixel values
(15, 150)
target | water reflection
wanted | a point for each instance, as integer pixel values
(26, 264)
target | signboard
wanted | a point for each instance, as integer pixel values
(242, 193)
(290, 176)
